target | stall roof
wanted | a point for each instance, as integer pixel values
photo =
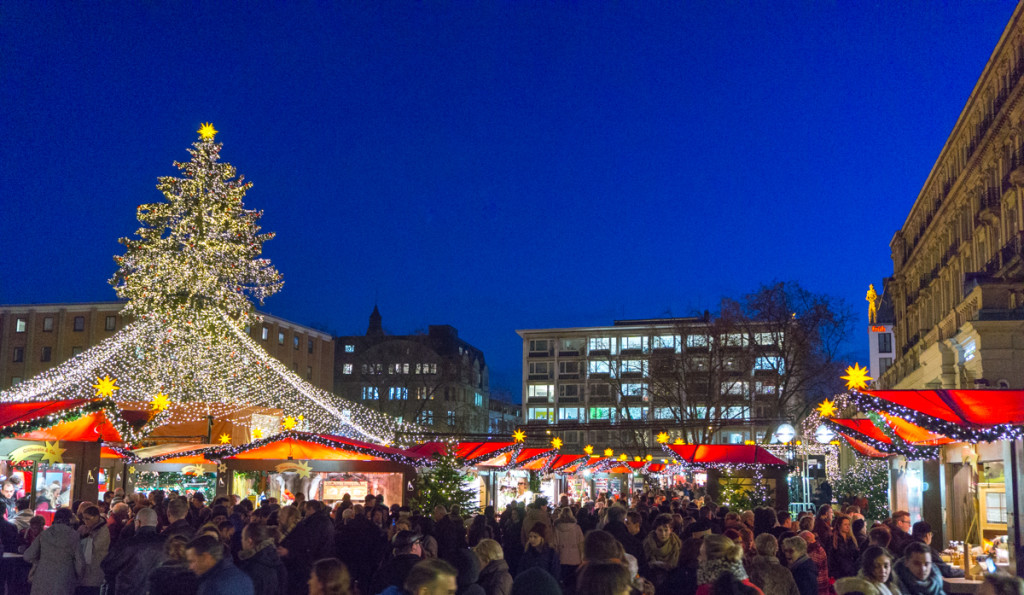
(75, 420)
(524, 456)
(863, 447)
(321, 447)
(865, 427)
(915, 434)
(470, 451)
(724, 454)
(174, 454)
(961, 407)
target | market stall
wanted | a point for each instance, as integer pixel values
(483, 480)
(743, 467)
(320, 466)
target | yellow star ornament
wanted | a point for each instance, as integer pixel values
(622, 457)
(131, 470)
(856, 377)
(289, 423)
(225, 439)
(206, 131)
(53, 453)
(257, 433)
(160, 402)
(105, 386)
(556, 443)
(662, 437)
(827, 408)
(679, 441)
(588, 449)
(519, 435)
(608, 452)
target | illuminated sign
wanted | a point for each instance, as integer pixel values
(878, 329)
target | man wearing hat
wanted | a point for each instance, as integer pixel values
(407, 552)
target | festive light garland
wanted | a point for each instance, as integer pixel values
(217, 453)
(106, 406)
(188, 279)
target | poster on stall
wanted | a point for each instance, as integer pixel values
(335, 490)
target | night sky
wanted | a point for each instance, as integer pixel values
(493, 166)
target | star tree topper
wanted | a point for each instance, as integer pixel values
(206, 131)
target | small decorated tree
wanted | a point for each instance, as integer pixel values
(866, 478)
(444, 484)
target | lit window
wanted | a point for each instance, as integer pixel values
(309, 372)
(370, 393)
(398, 393)
(266, 333)
(19, 326)
(633, 343)
(295, 342)
(764, 338)
(540, 391)
(570, 413)
(280, 337)
(600, 414)
(665, 342)
(110, 324)
(347, 369)
(15, 380)
(350, 349)
(451, 418)
(773, 362)
(696, 341)
(425, 418)
(544, 414)
(79, 323)
(734, 388)
(568, 368)
(599, 344)
(634, 390)
(478, 399)
(48, 324)
(422, 393)
(884, 363)
(734, 340)
(46, 355)
(666, 413)
(599, 367)
(633, 366)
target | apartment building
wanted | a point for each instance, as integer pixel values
(956, 288)
(698, 379)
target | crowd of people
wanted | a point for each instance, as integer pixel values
(656, 542)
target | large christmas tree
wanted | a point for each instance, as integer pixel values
(190, 277)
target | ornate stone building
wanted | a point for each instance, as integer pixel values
(957, 288)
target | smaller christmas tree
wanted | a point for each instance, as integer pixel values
(444, 484)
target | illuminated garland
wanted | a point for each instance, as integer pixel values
(203, 451)
(955, 431)
(514, 447)
(514, 464)
(126, 454)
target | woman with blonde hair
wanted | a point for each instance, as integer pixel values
(843, 550)
(721, 568)
(494, 575)
(287, 518)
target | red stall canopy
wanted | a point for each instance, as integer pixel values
(724, 454)
(862, 426)
(863, 447)
(75, 420)
(470, 451)
(960, 407)
(323, 447)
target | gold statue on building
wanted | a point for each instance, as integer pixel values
(872, 299)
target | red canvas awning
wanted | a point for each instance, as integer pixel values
(470, 451)
(913, 433)
(865, 427)
(319, 447)
(961, 407)
(88, 420)
(863, 447)
(724, 454)
(562, 463)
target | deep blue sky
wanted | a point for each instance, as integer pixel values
(488, 165)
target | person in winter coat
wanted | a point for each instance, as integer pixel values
(468, 565)
(408, 552)
(823, 524)
(494, 576)
(916, 573)
(876, 572)
(843, 551)
(310, 540)
(330, 577)
(95, 544)
(804, 569)
(57, 557)
(259, 560)
(539, 554)
(766, 572)
(173, 576)
(817, 553)
(662, 546)
(132, 559)
(510, 542)
(479, 529)
(568, 538)
(217, 575)
(721, 565)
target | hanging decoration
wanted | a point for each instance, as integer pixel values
(300, 467)
(519, 436)
(856, 377)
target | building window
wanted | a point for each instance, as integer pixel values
(478, 399)
(110, 324)
(538, 346)
(539, 369)
(764, 338)
(451, 418)
(633, 366)
(634, 390)
(309, 345)
(600, 414)
(696, 341)
(422, 393)
(598, 367)
(635, 343)
(884, 363)
(19, 354)
(884, 343)
(79, 324)
(540, 391)
(398, 393)
(570, 391)
(46, 355)
(48, 324)
(734, 340)
(369, 393)
(266, 333)
(425, 418)
(309, 372)
(771, 362)
(15, 380)
(665, 342)
(568, 368)
(295, 343)
(20, 325)
(599, 344)
(346, 369)
(75, 351)
(539, 414)
(570, 413)
(280, 337)
(350, 349)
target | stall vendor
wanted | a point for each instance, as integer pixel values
(523, 493)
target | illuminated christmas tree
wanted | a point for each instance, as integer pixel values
(445, 484)
(190, 278)
(197, 254)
